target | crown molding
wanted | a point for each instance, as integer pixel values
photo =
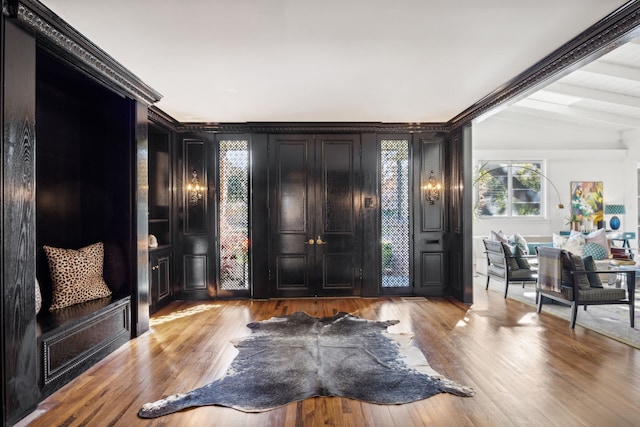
(77, 49)
(277, 127)
(159, 117)
(607, 34)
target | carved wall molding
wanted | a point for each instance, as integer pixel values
(312, 127)
(604, 36)
(159, 117)
(80, 51)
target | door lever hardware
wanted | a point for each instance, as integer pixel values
(320, 241)
(309, 242)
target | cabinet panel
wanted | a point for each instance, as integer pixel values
(164, 288)
(160, 280)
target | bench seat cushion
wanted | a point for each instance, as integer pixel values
(596, 294)
(523, 274)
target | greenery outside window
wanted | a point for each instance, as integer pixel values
(508, 189)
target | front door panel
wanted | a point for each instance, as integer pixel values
(337, 238)
(315, 232)
(289, 220)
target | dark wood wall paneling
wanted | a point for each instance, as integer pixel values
(19, 355)
(458, 155)
(68, 150)
(134, 156)
(371, 212)
(465, 215)
(196, 236)
(196, 247)
(259, 225)
(68, 175)
(429, 227)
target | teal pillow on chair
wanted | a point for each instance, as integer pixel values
(522, 262)
(595, 250)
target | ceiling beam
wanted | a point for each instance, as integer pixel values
(529, 118)
(580, 113)
(595, 95)
(612, 70)
(635, 41)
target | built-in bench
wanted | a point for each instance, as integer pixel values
(72, 339)
(84, 184)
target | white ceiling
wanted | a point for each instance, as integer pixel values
(348, 60)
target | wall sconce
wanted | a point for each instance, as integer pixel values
(195, 189)
(433, 189)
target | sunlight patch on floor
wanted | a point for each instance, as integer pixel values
(154, 321)
(462, 322)
(528, 319)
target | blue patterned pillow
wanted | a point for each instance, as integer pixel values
(595, 250)
(517, 240)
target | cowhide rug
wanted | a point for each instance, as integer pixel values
(291, 358)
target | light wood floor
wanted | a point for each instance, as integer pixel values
(527, 370)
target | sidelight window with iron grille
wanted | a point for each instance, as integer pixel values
(394, 206)
(234, 214)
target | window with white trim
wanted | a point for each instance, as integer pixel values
(506, 188)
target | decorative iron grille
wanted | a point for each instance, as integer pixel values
(394, 166)
(234, 215)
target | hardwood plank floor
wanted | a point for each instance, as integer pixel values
(526, 369)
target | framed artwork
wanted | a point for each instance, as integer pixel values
(586, 201)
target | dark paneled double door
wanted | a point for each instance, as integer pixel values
(315, 231)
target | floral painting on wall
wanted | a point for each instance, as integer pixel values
(586, 201)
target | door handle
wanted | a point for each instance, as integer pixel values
(309, 242)
(320, 241)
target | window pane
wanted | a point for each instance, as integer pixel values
(394, 165)
(508, 189)
(525, 182)
(492, 189)
(234, 215)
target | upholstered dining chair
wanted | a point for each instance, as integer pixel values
(572, 280)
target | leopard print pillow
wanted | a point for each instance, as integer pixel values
(76, 275)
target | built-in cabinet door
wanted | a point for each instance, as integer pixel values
(159, 267)
(315, 226)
